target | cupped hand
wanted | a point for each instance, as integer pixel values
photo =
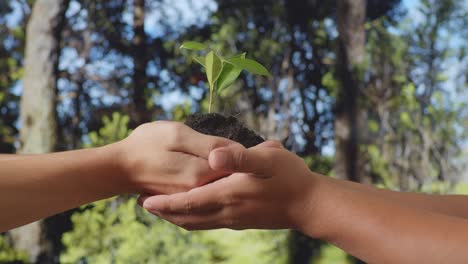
(268, 189)
(166, 157)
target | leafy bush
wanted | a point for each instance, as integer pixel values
(10, 255)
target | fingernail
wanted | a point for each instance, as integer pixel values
(149, 205)
(219, 159)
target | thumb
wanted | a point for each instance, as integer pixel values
(239, 159)
(270, 144)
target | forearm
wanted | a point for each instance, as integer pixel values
(378, 230)
(453, 205)
(36, 186)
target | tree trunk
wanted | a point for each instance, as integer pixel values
(351, 17)
(38, 118)
(140, 61)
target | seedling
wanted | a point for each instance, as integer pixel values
(222, 72)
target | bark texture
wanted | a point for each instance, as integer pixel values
(351, 16)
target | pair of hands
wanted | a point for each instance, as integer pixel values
(203, 182)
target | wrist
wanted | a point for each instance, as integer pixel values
(118, 166)
(311, 219)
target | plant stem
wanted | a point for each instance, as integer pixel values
(211, 100)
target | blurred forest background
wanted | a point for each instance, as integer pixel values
(370, 91)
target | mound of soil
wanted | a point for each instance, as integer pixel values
(221, 126)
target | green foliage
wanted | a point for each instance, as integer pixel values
(436, 187)
(319, 164)
(229, 75)
(200, 60)
(461, 188)
(118, 231)
(193, 45)
(329, 81)
(12, 38)
(181, 112)
(222, 72)
(214, 66)
(10, 255)
(405, 120)
(331, 254)
(248, 65)
(114, 129)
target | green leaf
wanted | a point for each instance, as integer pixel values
(200, 60)
(193, 45)
(242, 55)
(249, 65)
(228, 76)
(214, 66)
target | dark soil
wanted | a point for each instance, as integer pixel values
(221, 126)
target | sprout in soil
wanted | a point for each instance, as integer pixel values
(222, 72)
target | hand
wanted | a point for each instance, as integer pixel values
(270, 192)
(167, 157)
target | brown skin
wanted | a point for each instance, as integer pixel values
(272, 188)
(159, 157)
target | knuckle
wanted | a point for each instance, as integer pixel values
(239, 159)
(188, 205)
(217, 142)
(176, 126)
(269, 160)
(141, 128)
(159, 123)
(174, 137)
(276, 143)
(154, 126)
(213, 145)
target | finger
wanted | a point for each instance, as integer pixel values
(198, 144)
(270, 144)
(199, 221)
(141, 199)
(188, 170)
(203, 173)
(196, 172)
(256, 160)
(200, 199)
